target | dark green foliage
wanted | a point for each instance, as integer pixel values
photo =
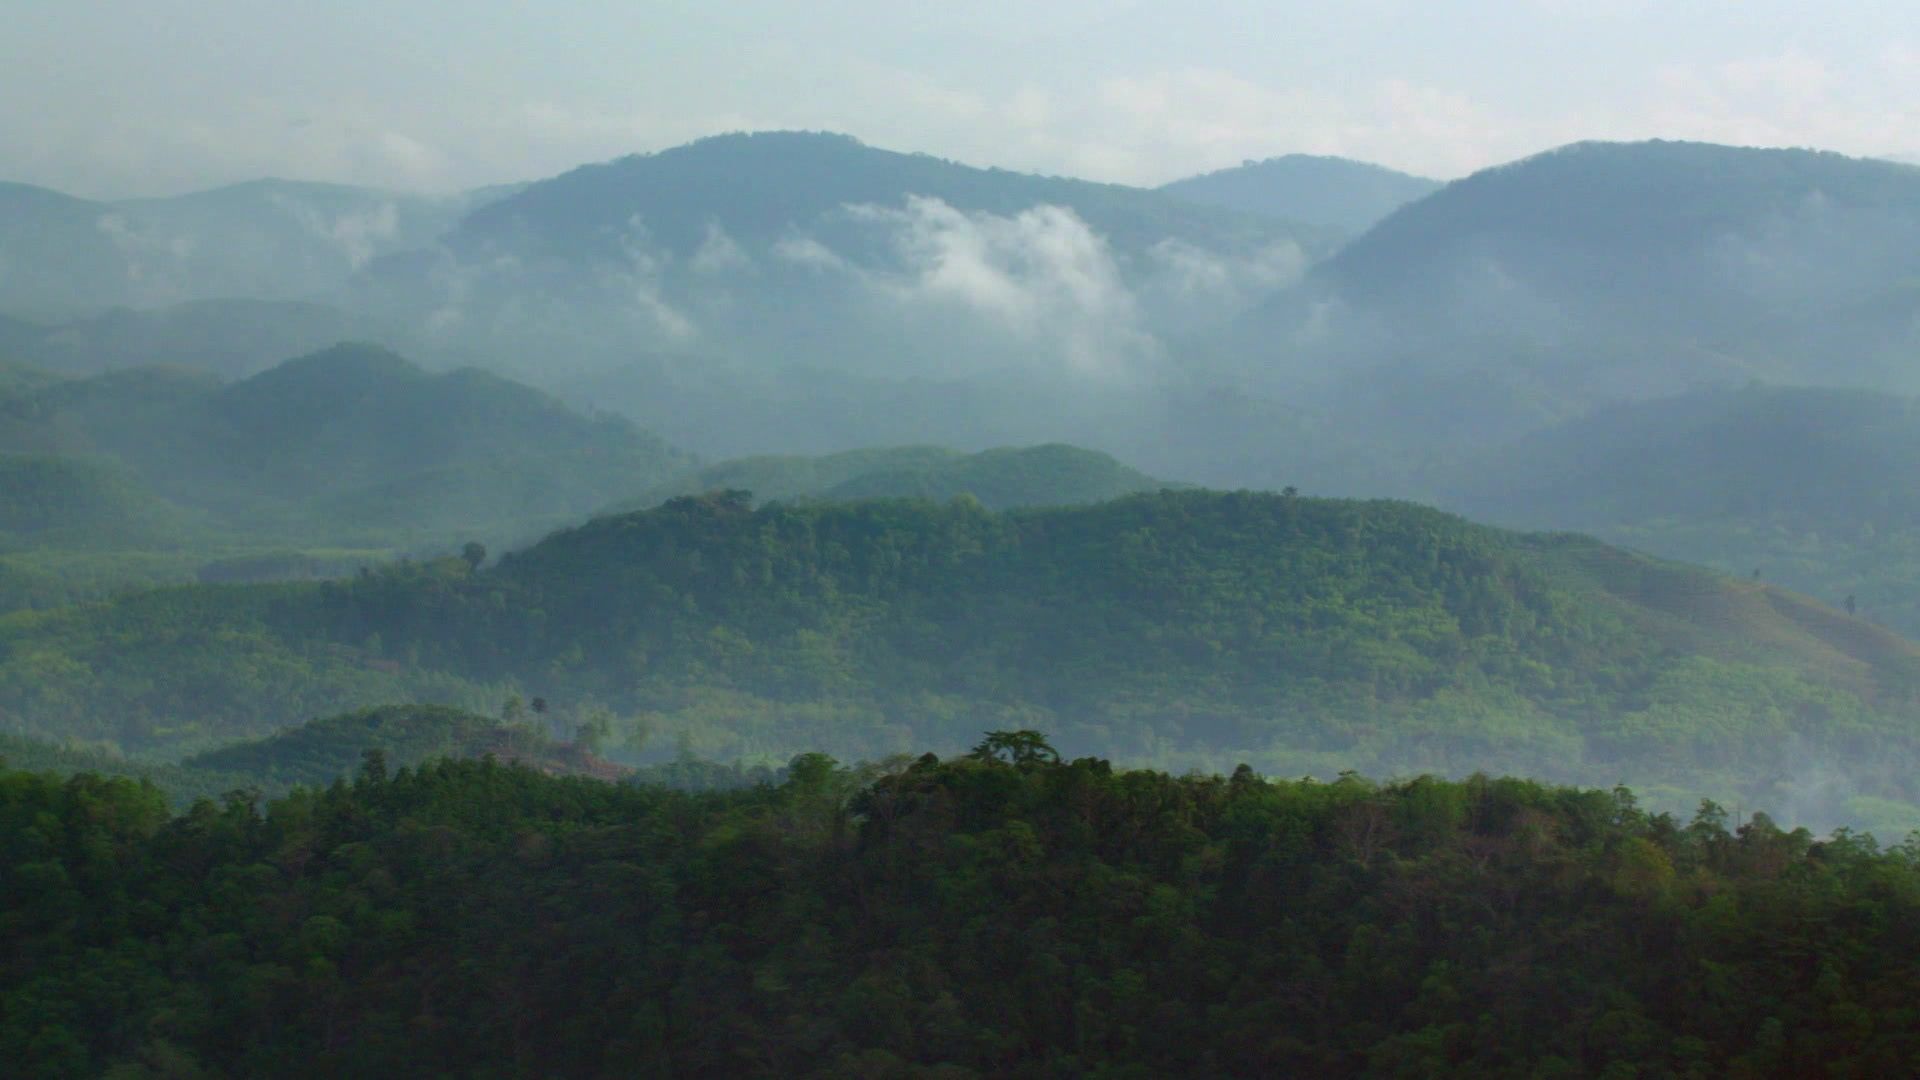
(1338, 192)
(940, 919)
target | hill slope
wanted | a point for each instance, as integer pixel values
(1806, 486)
(1336, 192)
(1533, 292)
(894, 276)
(349, 442)
(263, 240)
(1183, 627)
(1003, 478)
(320, 751)
(69, 503)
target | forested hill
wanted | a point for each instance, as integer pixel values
(1726, 261)
(352, 440)
(756, 187)
(1185, 627)
(998, 914)
(1808, 487)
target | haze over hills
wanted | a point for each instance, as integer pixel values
(1338, 192)
(891, 276)
(325, 464)
(1305, 635)
(231, 338)
(1600, 272)
(1809, 487)
(63, 258)
(351, 419)
(1506, 344)
(1055, 475)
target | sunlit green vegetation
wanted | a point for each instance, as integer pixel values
(1186, 628)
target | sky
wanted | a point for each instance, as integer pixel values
(117, 98)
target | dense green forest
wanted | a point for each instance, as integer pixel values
(1188, 628)
(1001, 913)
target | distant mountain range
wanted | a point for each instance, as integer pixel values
(1514, 343)
(63, 258)
(1338, 192)
(352, 443)
(1807, 487)
(1605, 272)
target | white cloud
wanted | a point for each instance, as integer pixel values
(1042, 276)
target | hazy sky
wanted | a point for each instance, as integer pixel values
(118, 97)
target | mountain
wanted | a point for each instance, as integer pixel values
(352, 444)
(1054, 475)
(756, 188)
(68, 258)
(1528, 294)
(287, 240)
(1182, 627)
(55, 260)
(229, 338)
(807, 281)
(1335, 192)
(1806, 486)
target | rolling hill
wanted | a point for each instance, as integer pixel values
(1054, 475)
(1528, 294)
(782, 273)
(228, 338)
(76, 504)
(1335, 192)
(1806, 486)
(352, 441)
(277, 240)
(318, 752)
(1186, 627)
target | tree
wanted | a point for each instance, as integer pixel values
(1016, 748)
(474, 553)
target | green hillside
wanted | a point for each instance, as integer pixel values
(1055, 475)
(1191, 627)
